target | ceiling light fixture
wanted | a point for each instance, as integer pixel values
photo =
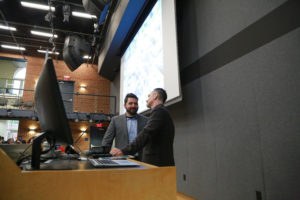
(7, 27)
(37, 6)
(83, 15)
(13, 47)
(45, 34)
(86, 57)
(49, 52)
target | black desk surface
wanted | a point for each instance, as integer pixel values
(73, 164)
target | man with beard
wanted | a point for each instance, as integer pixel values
(157, 137)
(124, 128)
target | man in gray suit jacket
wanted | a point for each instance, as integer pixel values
(157, 137)
(124, 128)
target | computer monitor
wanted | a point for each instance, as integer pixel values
(51, 113)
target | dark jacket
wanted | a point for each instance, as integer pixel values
(156, 139)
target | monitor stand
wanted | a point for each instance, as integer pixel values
(36, 150)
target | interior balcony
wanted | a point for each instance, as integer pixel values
(19, 104)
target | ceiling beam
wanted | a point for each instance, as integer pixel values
(27, 45)
(47, 28)
(32, 39)
(63, 2)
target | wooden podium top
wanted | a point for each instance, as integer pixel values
(145, 182)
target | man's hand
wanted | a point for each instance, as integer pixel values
(116, 152)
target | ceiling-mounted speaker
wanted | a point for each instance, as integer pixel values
(74, 49)
(94, 6)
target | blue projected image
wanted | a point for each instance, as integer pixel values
(143, 59)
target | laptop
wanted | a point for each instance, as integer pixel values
(102, 163)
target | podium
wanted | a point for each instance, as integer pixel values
(147, 182)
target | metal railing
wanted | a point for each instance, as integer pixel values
(7, 86)
(84, 103)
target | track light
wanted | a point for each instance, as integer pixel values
(83, 15)
(7, 27)
(66, 12)
(90, 117)
(37, 6)
(45, 34)
(13, 47)
(49, 17)
(49, 52)
(86, 57)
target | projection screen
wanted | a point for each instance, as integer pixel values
(151, 59)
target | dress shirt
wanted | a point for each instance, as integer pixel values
(132, 128)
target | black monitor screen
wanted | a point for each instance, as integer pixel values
(49, 106)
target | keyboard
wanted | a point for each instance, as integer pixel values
(112, 163)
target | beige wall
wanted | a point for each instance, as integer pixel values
(7, 69)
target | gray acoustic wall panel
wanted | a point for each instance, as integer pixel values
(276, 82)
(205, 24)
(237, 128)
(231, 115)
(194, 146)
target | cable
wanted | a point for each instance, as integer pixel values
(21, 159)
(23, 153)
(51, 40)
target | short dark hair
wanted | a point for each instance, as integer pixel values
(130, 95)
(162, 94)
